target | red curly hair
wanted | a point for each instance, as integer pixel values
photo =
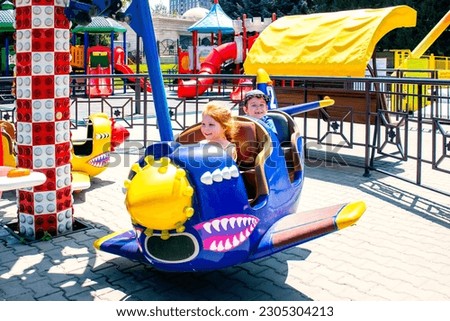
(222, 115)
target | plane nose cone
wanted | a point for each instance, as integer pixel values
(159, 196)
(118, 134)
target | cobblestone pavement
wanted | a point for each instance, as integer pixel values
(398, 250)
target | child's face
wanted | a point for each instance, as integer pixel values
(211, 129)
(256, 107)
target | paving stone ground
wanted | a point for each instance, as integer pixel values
(398, 251)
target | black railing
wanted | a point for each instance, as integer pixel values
(398, 126)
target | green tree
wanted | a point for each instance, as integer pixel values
(160, 9)
(257, 8)
(293, 7)
(233, 8)
(429, 13)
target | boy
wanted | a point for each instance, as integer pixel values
(255, 105)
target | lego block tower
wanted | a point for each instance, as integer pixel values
(43, 111)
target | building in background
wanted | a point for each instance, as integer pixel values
(171, 32)
(181, 6)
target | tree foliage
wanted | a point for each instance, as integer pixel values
(160, 9)
(429, 13)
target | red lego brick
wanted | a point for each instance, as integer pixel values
(43, 3)
(62, 63)
(26, 204)
(23, 110)
(23, 18)
(61, 20)
(23, 64)
(25, 156)
(43, 133)
(50, 183)
(45, 223)
(62, 108)
(62, 154)
(43, 87)
(43, 40)
(64, 198)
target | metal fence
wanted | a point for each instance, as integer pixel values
(395, 125)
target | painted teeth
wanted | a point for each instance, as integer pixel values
(207, 227)
(232, 222)
(216, 225)
(235, 241)
(219, 175)
(239, 221)
(223, 224)
(100, 161)
(227, 232)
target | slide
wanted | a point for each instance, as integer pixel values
(244, 86)
(99, 87)
(121, 68)
(210, 66)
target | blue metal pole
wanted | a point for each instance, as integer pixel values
(141, 22)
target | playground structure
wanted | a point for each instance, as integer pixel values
(425, 66)
(99, 63)
(321, 54)
(7, 30)
(101, 59)
(210, 60)
(120, 67)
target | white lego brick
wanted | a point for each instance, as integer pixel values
(64, 223)
(23, 87)
(24, 134)
(45, 202)
(26, 225)
(63, 176)
(22, 3)
(62, 86)
(43, 17)
(43, 63)
(44, 156)
(62, 40)
(62, 131)
(43, 110)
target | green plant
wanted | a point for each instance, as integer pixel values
(46, 237)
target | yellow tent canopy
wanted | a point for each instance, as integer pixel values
(325, 44)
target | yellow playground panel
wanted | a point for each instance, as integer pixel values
(427, 66)
(77, 53)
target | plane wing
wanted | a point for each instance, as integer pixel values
(302, 227)
(80, 181)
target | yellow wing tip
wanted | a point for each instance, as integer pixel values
(262, 77)
(100, 241)
(326, 102)
(350, 214)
